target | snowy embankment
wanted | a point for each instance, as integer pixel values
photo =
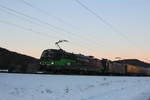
(63, 87)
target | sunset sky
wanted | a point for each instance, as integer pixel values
(106, 29)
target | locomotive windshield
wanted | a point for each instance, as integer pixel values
(50, 54)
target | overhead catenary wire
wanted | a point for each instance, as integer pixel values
(22, 18)
(131, 44)
(101, 19)
(57, 18)
(43, 34)
(33, 18)
(45, 23)
(49, 14)
(29, 29)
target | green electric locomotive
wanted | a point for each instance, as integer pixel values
(53, 60)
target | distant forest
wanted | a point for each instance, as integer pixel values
(12, 60)
(135, 62)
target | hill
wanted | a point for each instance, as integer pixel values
(12, 60)
(135, 62)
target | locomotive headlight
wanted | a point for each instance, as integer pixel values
(52, 63)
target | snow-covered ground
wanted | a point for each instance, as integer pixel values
(63, 87)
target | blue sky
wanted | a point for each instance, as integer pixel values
(86, 33)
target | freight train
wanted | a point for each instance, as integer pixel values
(60, 61)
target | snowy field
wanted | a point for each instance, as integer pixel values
(63, 87)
